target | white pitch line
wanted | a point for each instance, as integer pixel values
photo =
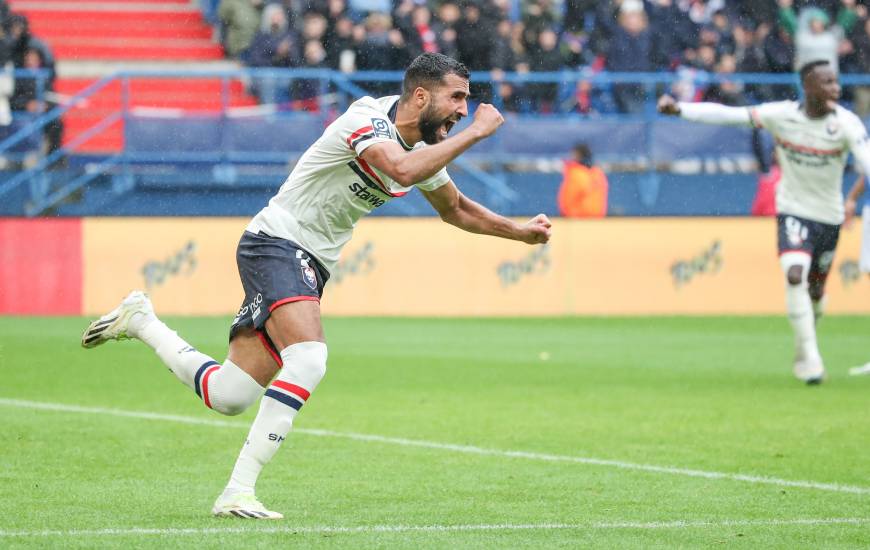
(468, 449)
(369, 529)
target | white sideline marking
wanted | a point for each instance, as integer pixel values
(468, 449)
(367, 529)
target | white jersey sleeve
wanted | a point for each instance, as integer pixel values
(859, 143)
(768, 115)
(714, 113)
(364, 125)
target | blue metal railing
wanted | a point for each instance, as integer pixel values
(336, 90)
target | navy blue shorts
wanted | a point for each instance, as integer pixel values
(818, 240)
(274, 272)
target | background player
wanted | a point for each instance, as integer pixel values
(373, 153)
(813, 140)
(864, 262)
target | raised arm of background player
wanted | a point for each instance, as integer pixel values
(714, 113)
(410, 167)
(851, 204)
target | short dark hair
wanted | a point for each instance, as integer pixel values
(582, 150)
(428, 70)
(808, 68)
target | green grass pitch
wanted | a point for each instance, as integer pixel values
(532, 433)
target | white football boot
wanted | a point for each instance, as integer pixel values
(858, 371)
(122, 322)
(809, 371)
(234, 504)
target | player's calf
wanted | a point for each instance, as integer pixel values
(808, 365)
(304, 367)
(225, 388)
(816, 282)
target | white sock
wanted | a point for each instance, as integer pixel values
(304, 367)
(800, 308)
(225, 388)
(800, 314)
(182, 359)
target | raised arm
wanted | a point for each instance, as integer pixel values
(462, 212)
(709, 113)
(408, 168)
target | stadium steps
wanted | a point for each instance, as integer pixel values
(94, 38)
(153, 29)
(191, 95)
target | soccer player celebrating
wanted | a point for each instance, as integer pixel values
(813, 140)
(373, 153)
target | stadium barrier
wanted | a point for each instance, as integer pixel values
(221, 141)
(422, 267)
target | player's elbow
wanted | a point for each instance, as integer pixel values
(450, 215)
(403, 176)
(406, 181)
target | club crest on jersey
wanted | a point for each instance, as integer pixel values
(832, 127)
(381, 128)
(309, 276)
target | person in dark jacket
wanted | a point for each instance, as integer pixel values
(630, 50)
(546, 57)
(274, 46)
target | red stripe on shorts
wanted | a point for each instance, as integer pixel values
(280, 303)
(270, 349)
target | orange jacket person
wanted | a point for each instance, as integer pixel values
(583, 193)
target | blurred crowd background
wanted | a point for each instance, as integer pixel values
(695, 37)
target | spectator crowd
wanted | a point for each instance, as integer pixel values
(20, 49)
(689, 37)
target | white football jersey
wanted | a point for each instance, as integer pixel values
(331, 187)
(812, 153)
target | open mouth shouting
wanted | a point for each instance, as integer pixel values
(446, 127)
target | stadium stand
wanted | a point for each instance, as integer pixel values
(168, 31)
(154, 98)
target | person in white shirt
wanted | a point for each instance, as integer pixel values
(813, 141)
(374, 153)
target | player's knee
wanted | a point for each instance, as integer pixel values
(795, 275)
(304, 364)
(234, 404)
(231, 390)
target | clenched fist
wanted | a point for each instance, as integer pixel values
(487, 119)
(537, 230)
(668, 106)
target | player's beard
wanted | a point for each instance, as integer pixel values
(429, 125)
